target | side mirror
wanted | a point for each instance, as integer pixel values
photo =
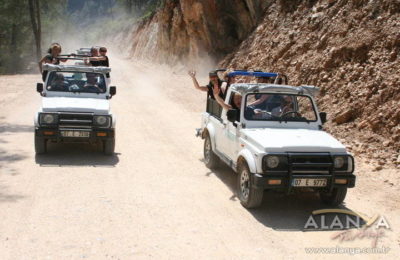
(232, 115)
(322, 115)
(39, 87)
(113, 90)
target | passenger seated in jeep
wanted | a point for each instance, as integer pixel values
(92, 84)
(214, 82)
(236, 101)
(264, 98)
(281, 79)
(228, 81)
(58, 83)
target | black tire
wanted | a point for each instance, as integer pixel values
(249, 196)
(40, 145)
(210, 158)
(109, 146)
(335, 198)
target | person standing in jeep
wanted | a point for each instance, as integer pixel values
(95, 60)
(214, 82)
(52, 57)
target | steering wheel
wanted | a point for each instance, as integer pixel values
(291, 112)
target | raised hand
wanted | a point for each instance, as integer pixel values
(192, 73)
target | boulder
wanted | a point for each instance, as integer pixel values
(344, 117)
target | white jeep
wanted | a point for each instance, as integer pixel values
(75, 107)
(273, 138)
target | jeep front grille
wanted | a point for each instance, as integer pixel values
(75, 120)
(310, 163)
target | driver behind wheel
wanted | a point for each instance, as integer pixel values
(285, 107)
(92, 84)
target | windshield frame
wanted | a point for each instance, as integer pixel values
(50, 77)
(280, 118)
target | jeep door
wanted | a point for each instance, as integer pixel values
(231, 140)
(229, 137)
(218, 138)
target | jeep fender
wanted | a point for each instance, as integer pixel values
(36, 119)
(247, 156)
(211, 132)
(113, 120)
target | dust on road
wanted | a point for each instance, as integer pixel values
(154, 198)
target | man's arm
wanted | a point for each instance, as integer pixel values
(220, 100)
(259, 101)
(99, 58)
(196, 84)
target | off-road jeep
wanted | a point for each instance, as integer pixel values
(274, 140)
(75, 107)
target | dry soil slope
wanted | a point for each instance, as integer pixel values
(350, 50)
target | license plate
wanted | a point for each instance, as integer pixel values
(309, 182)
(75, 134)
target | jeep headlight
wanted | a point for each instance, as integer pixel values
(272, 162)
(343, 163)
(275, 162)
(102, 121)
(48, 119)
(338, 162)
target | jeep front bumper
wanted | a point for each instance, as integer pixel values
(285, 182)
(92, 136)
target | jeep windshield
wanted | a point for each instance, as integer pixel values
(86, 82)
(279, 107)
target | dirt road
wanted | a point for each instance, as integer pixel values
(154, 198)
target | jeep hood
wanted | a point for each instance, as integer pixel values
(68, 104)
(292, 140)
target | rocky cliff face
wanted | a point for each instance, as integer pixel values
(348, 48)
(188, 29)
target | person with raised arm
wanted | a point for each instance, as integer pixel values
(214, 82)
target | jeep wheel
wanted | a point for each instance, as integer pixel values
(334, 198)
(40, 145)
(210, 158)
(249, 196)
(109, 146)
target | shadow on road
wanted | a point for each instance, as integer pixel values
(61, 155)
(8, 158)
(5, 197)
(283, 212)
(11, 128)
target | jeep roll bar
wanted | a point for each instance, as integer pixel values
(72, 55)
(69, 58)
(258, 74)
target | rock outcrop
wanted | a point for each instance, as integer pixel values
(189, 29)
(349, 48)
